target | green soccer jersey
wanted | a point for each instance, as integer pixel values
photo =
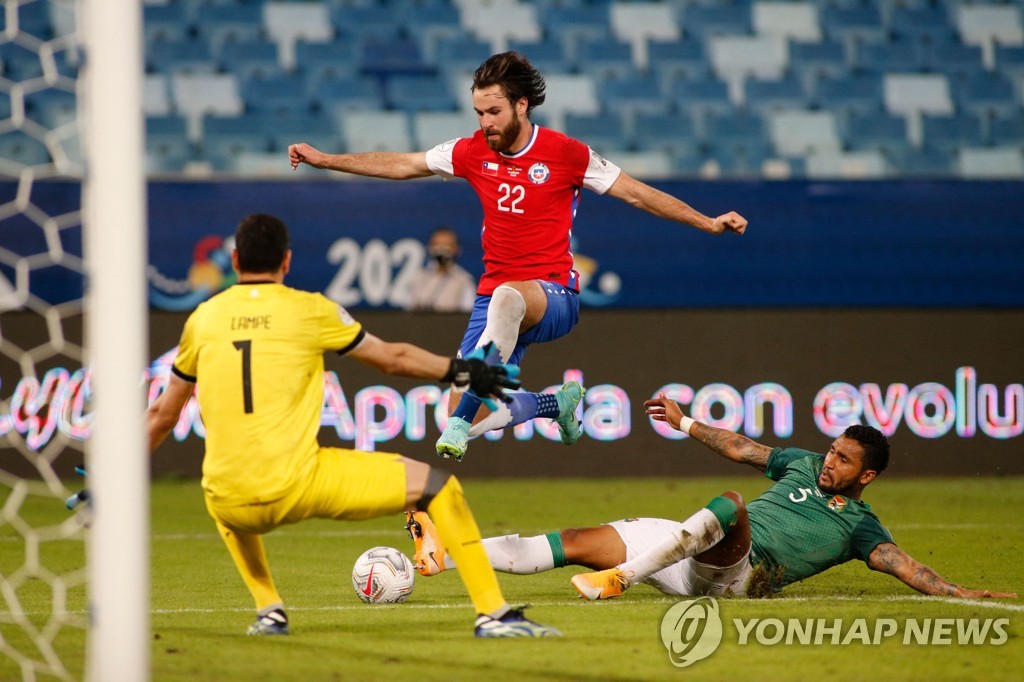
(798, 528)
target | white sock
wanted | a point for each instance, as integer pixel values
(699, 532)
(513, 554)
(498, 419)
(504, 315)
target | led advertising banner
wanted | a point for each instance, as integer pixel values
(947, 387)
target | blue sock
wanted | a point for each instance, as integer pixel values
(467, 407)
(526, 406)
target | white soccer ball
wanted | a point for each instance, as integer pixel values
(383, 575)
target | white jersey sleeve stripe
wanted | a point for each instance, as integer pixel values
(439, 159)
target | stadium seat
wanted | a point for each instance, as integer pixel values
(876, 131)
(1010, 61)
(19, 63)
(226, 137)
(857, 93)
(737, 133)
(633, 95)
(647, 165)
(924, 163)
(852, 25)
(234, 23)
(813, 61)
(430, 23)
(678, 59)
(717, 19)
(986, 94)
(320, 62)
(952, 58)
(735, 58)
(288, 22)
(460, 54)
(991, 163)
(190, 56)
(283, 94)
(569, 94)
(196, 95)
(673, 133)
(797, 132)
(1007, 132)
(797, 21)
(418, 93)
(988, 26)
(431, 128)
(907, 93)
(167, 145)
(251, 59)
(384, 57)
(375, 131)
(156, 96)
(604, 133)
(604, 59)
(498, 23)
(700, 96)
(784, 93)
(548, 56)
(930, 23)
(901, 55)
(636, 23)
(51, 107)
(344, 94)
(859, 165)
(164, 23)
(952, 132)
(318, 129)
(366, 22)
(572, 25)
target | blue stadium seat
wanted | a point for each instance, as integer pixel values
(283, 94)
(1009, 60)
(986, 94)
(326, 61)
(167, 146)
(876, 131)
(931, 23)
(605, 134)
(18, 148)
(344, 94)
(928, 162)
(952, 58)
(858, 92)
(701, 95)
(604, 59)
(571, 25)
(461, 53)
(165, 23)
(235, 23)
(737, 134)
(227, 137)
(18, 63)
(812, 61)
(717, 19)
(548, 56)
(887, 56)
(392, 56)
(366, 22)
(189, 56)
(431, 22)
(676, 59)
(631, 96)
(674, 133)
(318, 129)
(252, 59)
(51, 107)
(949, 133)
(1007, 131)
(785, 93)
(850, 25)
(418, 93)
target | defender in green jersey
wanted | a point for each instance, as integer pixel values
(810, 520)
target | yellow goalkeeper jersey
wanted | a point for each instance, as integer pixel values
(255, 352)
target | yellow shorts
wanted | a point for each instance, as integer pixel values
(343, 484)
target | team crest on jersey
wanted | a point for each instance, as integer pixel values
(539, 173)
(837, 503)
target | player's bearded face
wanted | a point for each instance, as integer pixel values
(843, 467)
(501, 139)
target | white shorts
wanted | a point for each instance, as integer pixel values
(689, 576)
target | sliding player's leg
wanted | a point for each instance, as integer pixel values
(723, 519)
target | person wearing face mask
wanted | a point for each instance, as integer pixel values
(443, 286)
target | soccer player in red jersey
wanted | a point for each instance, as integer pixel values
(528, 180)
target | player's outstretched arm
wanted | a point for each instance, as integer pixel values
(407, 360)
(391, 165)
(643, 196)
(163, 414)
(726, 443)
(888, 558)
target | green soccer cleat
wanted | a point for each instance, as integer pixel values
(512, 624)
(568, 397)
(454, 440)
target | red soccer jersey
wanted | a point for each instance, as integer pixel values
(529, 200)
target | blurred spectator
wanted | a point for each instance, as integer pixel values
(443, 286)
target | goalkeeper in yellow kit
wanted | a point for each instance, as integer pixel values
(255, 354)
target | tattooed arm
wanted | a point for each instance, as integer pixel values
(726, 443)
(888, 558)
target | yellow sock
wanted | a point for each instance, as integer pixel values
(251, 560)
(461, 537)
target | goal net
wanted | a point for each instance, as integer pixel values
(73, 585)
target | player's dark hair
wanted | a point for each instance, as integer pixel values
(517, 77)
(875, 444)
(262, 242)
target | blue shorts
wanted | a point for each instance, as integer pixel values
(562, 314)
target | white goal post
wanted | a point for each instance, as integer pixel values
(114, 227)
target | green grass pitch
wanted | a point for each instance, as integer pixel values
(969, 530)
